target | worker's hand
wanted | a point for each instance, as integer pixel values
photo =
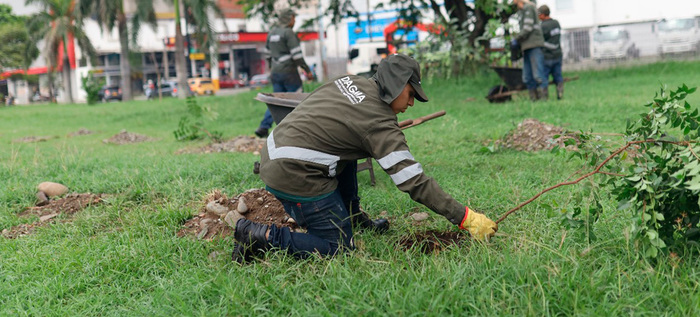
(310, 76)
(478, 225)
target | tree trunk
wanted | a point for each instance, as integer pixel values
(180, 62)
(124, 63)
(67, 86)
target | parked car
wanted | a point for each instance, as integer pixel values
(168, 89)
(202, 86)
(613, 43)
(259, 81)
(110, 92)
(228, 82)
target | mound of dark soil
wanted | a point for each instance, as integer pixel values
(239, 144)
(32, 139)
(68, 205)
(532, 135)
(211, 222)
(82, 131)
(431, 241)
(125, 137)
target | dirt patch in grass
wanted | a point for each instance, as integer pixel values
(68, 205)
(32, 139)
(242, 143)
(212, 221)
(532, 135)
(125, 137)
(82, 131)
(429, 242)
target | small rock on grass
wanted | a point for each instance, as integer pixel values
(420, 216)
(41, 199)
(52, 189)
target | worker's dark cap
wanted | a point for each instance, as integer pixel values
(394, 72)
(285, 16)
(543, 9)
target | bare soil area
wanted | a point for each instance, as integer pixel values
(242, 143)
(260, 206)
(532, 135)
(125, 137)
(429, 242)
(32, 139)
(68, 205)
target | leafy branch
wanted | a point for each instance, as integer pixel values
(655, 175)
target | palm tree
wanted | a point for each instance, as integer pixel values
(110, 13)
(196, 13)
(59, 23)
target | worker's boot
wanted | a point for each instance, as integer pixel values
(361, 220)
(533, 94)
(251, 240)
(560, 91)
(261, 132)
(544, 93)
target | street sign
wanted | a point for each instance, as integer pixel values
(196, 56)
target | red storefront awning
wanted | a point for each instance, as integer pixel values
(246, 37)
(31, 71)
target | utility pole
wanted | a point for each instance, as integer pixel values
(322, 42)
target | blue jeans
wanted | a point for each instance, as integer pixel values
(533, 68)
(327, 221)
(280, 83)
(553, 67)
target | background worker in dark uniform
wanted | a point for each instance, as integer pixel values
(552, 49)
(310, 160)
(285, 57)
(531, 41)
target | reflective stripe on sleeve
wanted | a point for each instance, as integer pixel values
(528, 21)
(551, 46)
(394, 158)
(527, 28)
(297, 56)
(283, 58)
(302, 154)
(295, 50)
(407, 173)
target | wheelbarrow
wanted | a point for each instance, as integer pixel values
(513, 79)
(281, 104)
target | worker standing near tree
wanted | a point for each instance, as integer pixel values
(309, 163)
(552, 49)
(531, 41)
(285, 57)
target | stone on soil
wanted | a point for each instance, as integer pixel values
(52, 189)
(242, 206)
(217, 208)
(232, 217)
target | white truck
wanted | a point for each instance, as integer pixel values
(363, 55)
(613, 43)
(678, 35)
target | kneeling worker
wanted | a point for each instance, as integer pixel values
(310, 164)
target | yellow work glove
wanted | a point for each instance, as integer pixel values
(478, 225)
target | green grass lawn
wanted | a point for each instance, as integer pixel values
(123, 257)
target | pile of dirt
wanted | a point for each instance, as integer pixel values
(431, 241)
(532, 135)
(68, 205)
(239, 144)
(125, 137)
(219, 213)
(82, 131)
(32, 139)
